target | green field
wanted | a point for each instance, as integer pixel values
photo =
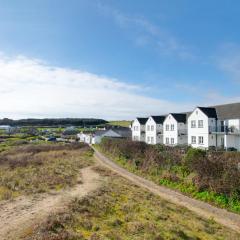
(123, 123)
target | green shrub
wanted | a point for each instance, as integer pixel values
(193, 156)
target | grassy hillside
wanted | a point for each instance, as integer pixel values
(123, 123)
(122, 211)
(41, 168)
(212, 177)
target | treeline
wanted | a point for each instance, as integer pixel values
(207, 175)
(82, 122)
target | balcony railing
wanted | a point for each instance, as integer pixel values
(224, 130)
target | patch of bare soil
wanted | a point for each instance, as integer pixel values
(18, 217)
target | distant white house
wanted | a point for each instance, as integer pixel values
(85, 137)
(138, 129)
(97, 136)
(154, 130)
(175, 129)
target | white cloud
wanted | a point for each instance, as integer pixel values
(33, 88)
(228, 60)
(147, 33)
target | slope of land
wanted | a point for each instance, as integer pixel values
(19, 216)
(222, 216)
(120, 210)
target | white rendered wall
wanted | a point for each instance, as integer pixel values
(152, 132)
(170, 133)
(139, 134)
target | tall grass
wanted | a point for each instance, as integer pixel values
(41, 168)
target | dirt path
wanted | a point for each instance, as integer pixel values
(205, 210)
(18, 217)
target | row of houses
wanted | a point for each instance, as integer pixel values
(204, 127)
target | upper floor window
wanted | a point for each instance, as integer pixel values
(152, 128)
(200, 140)
(148, 127)
(193, 124)
(167, 127)
(172, 127)
(200, 123)
(135, 128)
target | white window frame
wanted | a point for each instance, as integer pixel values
(193, 124)
(167, 127)
(172, 127)
(172, 141)
(167, 140)
(193, 139)
(152, 127)
(200, 125)
(200, 140)
(148, 127)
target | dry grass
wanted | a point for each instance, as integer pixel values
(122, 211)
(41, 168)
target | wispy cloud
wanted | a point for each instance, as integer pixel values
(34, 88)
(228, 60)
(148, 34)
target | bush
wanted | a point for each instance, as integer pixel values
(193, 157)
(210, 170)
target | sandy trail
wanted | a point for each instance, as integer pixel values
(222, 216)
(18, 217)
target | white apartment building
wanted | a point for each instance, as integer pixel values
(175, 129)
(208, 129)
(204, 128)
(154, 130)
(138, 129)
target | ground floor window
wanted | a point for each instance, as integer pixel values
(135, 138)
(167, 140)
(172, 140)
(152, 139)
(200, 140)
(194, 140)
(148, 139)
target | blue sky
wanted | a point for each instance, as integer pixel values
(116, 59)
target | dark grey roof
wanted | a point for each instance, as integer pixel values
(228, 111)
(123, 132)
(180, 117)
(142, 121)
(209, 111)
(100, 132)
(158, 119)
(115, 132)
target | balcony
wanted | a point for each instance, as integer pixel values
(224, 130)
(217, 129)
